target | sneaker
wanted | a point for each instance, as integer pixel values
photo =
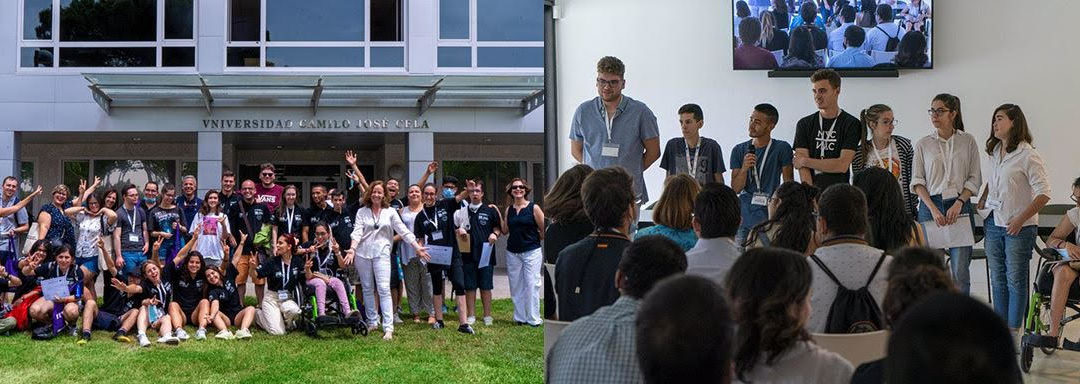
(1041, 341)
(143, 340)
(170, 340)
(465, 328)
(471, 320)
(488, 320)
(74, 331)
(1070, 345)
(181, 334)
(200, 334)
(397, 319)
(243, 334)
(224, 335)
(388, 335)
(431, 320)
(121, 337)
(7, 324)
(438, 325)
(83, 339)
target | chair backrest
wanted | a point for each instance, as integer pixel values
(779, 55)
(857, 348)
(552, 330)
(882, 57)
(823, 53)
(549, 269)
(1049, 217)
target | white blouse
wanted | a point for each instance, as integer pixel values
(1015, 180)
(946, 167)
(375, 236)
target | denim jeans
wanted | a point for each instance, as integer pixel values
(132, 261)
(960, 257)
(1008, 256)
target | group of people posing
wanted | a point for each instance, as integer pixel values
(171, 261)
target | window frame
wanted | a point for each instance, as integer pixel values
(159, 43)
(366, 44)
(474, 46)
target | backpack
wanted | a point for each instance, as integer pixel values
(853, 311)
(890, 46)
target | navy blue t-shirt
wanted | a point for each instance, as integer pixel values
(779, 156)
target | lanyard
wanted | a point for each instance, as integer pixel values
(161, 292)
(947, 157)
(692, 167)
(431, 220)
(132, 219)
(284, 274)
(826, 134)
(289, 214)
(877, 155)
(761, 164)
(609, 122)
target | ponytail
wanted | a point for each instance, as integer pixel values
(953, 103)
(869, 114)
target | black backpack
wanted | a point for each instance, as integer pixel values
(890, 46)
(853, 311)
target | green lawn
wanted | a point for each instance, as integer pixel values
(501, 353)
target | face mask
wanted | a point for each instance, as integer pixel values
(447, 193)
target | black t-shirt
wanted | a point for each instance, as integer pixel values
(324, 215)
(585, 274)
(162, 220)
(227, 202)
(187, 292)
(323, 260)
(256, 215)
(482, 223)
(341, 225)
(293, 275)
(227, 295)
(844, 134)
(163, 292)
(437, 218)
(74, 277)
(299, 218)
(116, 301)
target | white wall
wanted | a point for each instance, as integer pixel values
(988, 52)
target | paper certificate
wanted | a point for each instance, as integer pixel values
(441, 255)
(958, 234)
(54, 288)
(485, 256)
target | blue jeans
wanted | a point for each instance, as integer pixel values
(132, 261)
(740, 237)
(1007, 257)
(961, 256)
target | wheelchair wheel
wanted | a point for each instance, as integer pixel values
(312, 330)
(1027, 352)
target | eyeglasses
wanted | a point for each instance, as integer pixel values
(1074, 198)
(271, 174)
(608, 83)
(521, 187)
(937, 112)
(894, 122)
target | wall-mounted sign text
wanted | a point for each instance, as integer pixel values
(388, 124)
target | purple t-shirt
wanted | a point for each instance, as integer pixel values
(751, 57)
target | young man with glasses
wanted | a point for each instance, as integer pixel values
(826, 140)
(131, 236)
(150, 196)
(267, 192)
(615, 130)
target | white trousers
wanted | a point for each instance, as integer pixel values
(523, 270)
(276, 316)
(376, 270)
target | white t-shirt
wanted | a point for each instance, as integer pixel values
(89, 228)
(1074, 218)
(213, 227)
(804, 363)
(407, 252)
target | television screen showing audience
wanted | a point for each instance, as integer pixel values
(855, 34)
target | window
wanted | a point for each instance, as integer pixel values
(316, 34)
(491, 34)
(496, 175)
(189, 168)
(118, 173)
(107, 33)
(26, 185)
(75, 171)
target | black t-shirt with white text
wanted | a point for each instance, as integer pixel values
(256, 215)
(227, 295)
(482, 223)
(437, 218)
(840, 133)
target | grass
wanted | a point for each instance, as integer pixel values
(501, 353)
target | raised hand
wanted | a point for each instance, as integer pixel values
(37, 191)
(350, 157)
(432, 167)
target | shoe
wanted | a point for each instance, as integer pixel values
(397, 319)
(121, 337)
(438, 325)
(181, 334)
(471, 320)
(243, 334)
(83, 339)
(7, 324)
(74, 331)
(431, 320)
(171, 340)
(200, 334)
(388, 335)
(1041, 341)
(537, 325)
(1070, 345)
(372, 327)
(416, 319)
(224, 334)
(143, 340)
(488, 320)
(465, 328)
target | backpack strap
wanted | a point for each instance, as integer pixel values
(827, 271)
(876, 268)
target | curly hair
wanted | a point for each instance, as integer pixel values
(611, 65)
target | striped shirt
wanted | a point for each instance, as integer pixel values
(864, 158)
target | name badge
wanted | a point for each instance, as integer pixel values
(283, 295)
(992, 204)
(760, 199)
(610, 150)
(437, 235)
(133, 237)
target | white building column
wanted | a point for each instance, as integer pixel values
(209, 158)
(423, 36)
(421, 149)
(210, 36)
(9, 154)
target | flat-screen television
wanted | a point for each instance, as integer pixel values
(841, 34)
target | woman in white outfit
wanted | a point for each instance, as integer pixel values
(372, 237)
(523, 221)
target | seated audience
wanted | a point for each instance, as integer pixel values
(674, 345)
(808, 15)
(951, 338)
(673, 212)
(780, 13)
(748, 55)
(911, 53)
(800, 53)
(853, 56)
(791, 220)
(866, 19)
(568, 223)
(770, 293)
(877, 38)
(1064, 237)
(772, 37)
(844, 258)
(847, 19)
(716, 221)
(599, 348)
(891, 226)
(585, 271)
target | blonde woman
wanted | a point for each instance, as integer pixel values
(673, 213)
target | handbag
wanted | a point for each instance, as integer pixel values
(31, 238)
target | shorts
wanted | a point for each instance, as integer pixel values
(132, 261)
(454, 270)
(476, 277)
(188, 311)
(245, 266)
(106, 321)
(231, 314)
(91, 263)
(395, 271)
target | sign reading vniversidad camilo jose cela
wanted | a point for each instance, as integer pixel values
(372, 124)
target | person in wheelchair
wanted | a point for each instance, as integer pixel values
(324, 270)
(1065, 274)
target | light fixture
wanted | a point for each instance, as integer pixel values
(279, 147)
(333, 147)
(136, 139)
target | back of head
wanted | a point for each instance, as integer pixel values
(911, 52)
(884, 13)
(909, 258)
(801, 44)
(854, 36)
(951, 338)
(648, 260)
(688, 342)
(843, 208)
(848, 13)
(794, 215)
(676, 205)
(914, 274)
(607, 195)
(717, 211)
(891, 226)
(764, 285)
(749, 30)
(563, 201)
(808, 12)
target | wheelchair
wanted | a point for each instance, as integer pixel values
(311, 321)
(1037, 322)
